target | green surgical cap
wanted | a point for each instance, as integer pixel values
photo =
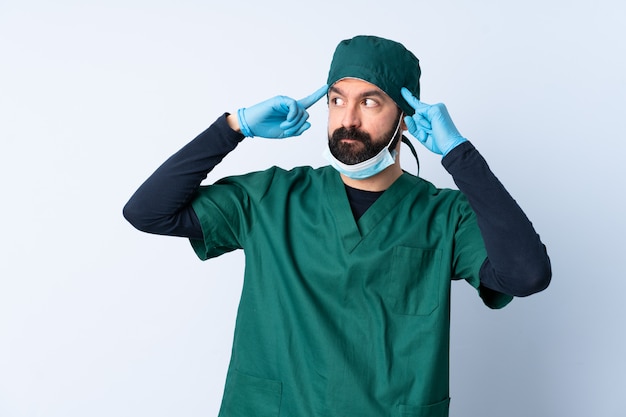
(382, 62)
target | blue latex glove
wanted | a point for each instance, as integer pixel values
(279, 117)
(432, 125)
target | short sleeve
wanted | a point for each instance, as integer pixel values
(222, 210)
(227, 211)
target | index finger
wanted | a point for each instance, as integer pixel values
(313, 98)
(419, 106)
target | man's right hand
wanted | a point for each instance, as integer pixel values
(277, 118)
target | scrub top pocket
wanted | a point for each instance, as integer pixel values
(414, 281)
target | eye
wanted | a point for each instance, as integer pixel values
(369, 102)
(337, 101)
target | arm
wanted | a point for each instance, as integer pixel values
(517, 263)
(162, 204)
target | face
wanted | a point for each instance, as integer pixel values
(361, 120)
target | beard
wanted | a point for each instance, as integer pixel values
(351, 153)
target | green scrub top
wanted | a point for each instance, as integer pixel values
(340, 318)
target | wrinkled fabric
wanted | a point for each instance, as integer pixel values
(339, 317)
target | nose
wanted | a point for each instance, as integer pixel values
(351, 117)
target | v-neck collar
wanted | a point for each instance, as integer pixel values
(352, 232)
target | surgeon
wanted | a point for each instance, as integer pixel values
(345, 307)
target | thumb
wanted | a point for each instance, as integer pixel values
(313, 98)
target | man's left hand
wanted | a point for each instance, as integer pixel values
(432, 125)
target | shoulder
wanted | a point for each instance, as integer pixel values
(258, 184)
(426, 199)
(423, 189)
(277, 174)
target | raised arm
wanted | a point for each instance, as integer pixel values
(161, 205)
(517, 262)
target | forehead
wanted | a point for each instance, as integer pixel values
(356, 87)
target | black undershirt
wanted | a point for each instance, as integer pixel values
(361, 200)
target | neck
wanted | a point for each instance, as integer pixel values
(378, 182)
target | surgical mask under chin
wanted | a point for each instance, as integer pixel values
(369, 167)
(363, 169)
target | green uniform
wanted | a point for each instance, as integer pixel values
(340, 318)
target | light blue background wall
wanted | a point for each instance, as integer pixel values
(97, 319)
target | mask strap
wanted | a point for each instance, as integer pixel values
(408, 143)
(394, 140)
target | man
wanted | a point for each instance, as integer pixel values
(345, 304)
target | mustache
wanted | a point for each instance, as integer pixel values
(353, 134)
